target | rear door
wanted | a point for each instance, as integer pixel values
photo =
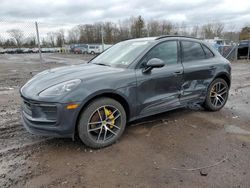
(199, 68)
(159, 89)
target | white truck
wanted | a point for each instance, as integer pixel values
(97, 48)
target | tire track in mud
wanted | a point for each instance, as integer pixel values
(24, 145)
(14, 137)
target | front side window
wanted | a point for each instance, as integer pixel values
(192, 51)
(166, 51)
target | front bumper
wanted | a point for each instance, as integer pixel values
(48, 119)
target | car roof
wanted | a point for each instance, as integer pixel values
(175, 36)
(165, 37)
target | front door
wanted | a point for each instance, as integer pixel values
(159, 89)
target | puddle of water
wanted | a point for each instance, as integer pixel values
(241, 134)
(236, 130)
(6, 90)
(243, 138)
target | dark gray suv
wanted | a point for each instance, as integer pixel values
(133, 79)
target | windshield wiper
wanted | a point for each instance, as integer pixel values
(103, 64)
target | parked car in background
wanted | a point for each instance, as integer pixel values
(2, 51)
(50, 50)
(27, 50)
(73, 46)
(94, 48)
(97, 48)
(80, 50)
(243, 49)
(35, 50)
(10, 50)
(131, 80)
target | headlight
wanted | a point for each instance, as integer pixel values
(61, 88)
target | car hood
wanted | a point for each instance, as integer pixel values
(55, 76)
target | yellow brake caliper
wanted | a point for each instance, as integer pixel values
(212, 93)
(110, 116)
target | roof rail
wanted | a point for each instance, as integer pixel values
(165, 36)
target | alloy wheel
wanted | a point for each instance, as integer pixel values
(218, 94)
(104, 123)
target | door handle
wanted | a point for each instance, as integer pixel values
(212, 67)
(178, 72)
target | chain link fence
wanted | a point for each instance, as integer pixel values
(16, 37)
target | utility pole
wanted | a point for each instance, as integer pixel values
(102, 38)
(38, 42)
(248, 47)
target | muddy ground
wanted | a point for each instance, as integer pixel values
(167, 150)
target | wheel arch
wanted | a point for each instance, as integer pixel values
(225, 77)
(112, 95)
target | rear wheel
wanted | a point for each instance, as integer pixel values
(217, 95)
(102, 123)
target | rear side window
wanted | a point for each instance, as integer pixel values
(208, 52)
(192, 51)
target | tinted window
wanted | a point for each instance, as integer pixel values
(208, 52)
(166, 51)
(192, 51)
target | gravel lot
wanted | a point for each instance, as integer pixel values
(183, 148)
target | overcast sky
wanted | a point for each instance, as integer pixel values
(73, 12)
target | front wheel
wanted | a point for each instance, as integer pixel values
(217, 95)
(102, 123)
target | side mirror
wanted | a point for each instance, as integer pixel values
(153, 63)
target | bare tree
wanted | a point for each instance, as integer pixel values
(195, 31)
(108, 30)
(133, 27)
(207, 31)
(17, 35)
(9, 43)
(60, 38)
(1, 41)
(30, 41)
(154, 28)
(124, 28)
(218, 29)
(86, 33)
(44, 42)
(183, 29)
(137, 26)
(166, 27)
(245, 33)
(51, 38)
(176, 29)
(212, 30)
(232, 33)
(98, 32)
(73, 35)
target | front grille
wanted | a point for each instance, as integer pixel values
(40, 111)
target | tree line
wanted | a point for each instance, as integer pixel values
(133, 27)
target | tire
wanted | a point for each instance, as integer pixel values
(92, 133)
(92, 53)
(216, 96)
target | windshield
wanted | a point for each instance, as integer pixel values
(121, 54)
